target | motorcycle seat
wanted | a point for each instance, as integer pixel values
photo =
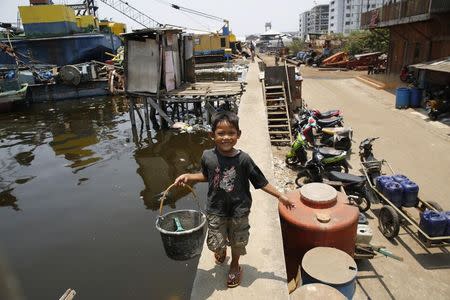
(325, 122)
(344, 177)
(328, 152)
(329, 113)
(337, 130)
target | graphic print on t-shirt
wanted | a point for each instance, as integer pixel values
(225, 180)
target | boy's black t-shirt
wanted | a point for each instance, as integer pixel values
(228, 182)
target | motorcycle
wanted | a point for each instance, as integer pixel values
(322, 122)
(407, 75)
(437, 103)
(339, 138)
(339, 141)
(355, 187)
(371, 164)
(331, 159)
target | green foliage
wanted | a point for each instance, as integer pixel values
(296, 46)
(364, 41)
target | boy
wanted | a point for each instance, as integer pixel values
(228, 172)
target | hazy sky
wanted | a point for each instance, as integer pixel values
(245, 16)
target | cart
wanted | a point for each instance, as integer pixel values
(391, 217)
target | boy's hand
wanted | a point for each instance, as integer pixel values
(286, 202)
(182, 180)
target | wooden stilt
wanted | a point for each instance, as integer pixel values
(146, 114)
(132, 116)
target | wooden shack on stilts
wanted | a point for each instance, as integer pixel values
(159, 69)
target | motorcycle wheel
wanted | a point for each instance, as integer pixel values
(291, 161)
(433, 116)
(302, 179)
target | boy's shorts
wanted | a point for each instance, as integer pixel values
(223, 231)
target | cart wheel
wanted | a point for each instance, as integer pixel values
(435, 205)
(389, 222)
(291, 161)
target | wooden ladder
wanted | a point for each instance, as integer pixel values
(277, 114)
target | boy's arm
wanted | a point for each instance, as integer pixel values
(189, 178)
(270, 189)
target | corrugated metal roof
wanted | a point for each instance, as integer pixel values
(439, 65)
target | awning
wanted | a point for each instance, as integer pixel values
(439, 65)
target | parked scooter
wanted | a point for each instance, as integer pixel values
(329, 139)
(371, 164)
(302, 120)
(437, 102)
(355, 186)
(368, 159)
(331, 159)
(339, 138)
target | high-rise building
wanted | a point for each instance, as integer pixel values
(345, 15)
(318, 19)
(314, 21)
(303, 25)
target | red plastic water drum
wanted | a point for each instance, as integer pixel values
(322, 217)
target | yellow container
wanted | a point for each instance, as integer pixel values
(114, 27)
(209, 42)
(87, 21)
(46, 14)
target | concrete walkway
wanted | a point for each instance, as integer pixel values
(414, 146)
(264, 270)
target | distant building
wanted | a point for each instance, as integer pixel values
(318, 19)
(314, 21)
(303, 25)
(345, 15)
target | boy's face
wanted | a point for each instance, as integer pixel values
(225, 137)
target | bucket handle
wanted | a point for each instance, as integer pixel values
(164, 196)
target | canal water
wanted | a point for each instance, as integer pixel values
(78, 205)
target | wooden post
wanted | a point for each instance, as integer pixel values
(132, 116)
(161, 112)
(146, 114)
(209, 111)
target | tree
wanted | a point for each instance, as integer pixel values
(296, 46)
(367, 41)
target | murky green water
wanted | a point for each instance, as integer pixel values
(77, 205)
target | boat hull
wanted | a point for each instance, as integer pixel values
(63, 50)
(7, 99)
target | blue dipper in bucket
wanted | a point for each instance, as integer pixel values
(178, 225)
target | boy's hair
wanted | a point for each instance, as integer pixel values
(226, 116)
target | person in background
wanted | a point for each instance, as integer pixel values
(229, 172)
(252, 50)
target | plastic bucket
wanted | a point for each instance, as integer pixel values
(416, 97)
(186, 243)
(402, 96)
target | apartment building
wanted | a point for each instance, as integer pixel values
(314, 21)
(345, 15)
(318, 19)
(303, 25)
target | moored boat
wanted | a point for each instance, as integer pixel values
(8, 98)
(57, 35)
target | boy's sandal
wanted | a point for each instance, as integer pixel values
(234, 279)
(220, 256)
